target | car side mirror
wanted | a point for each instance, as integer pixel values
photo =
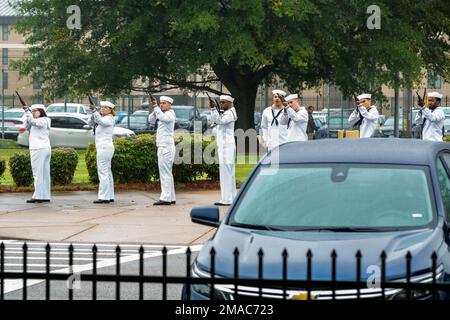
(208, 216)
(87, 127)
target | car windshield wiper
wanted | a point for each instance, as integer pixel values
(258, 227)
(347, 229)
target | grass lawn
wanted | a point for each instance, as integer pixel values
(243, 167)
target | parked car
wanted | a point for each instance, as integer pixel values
(387, 130)
(447, 127)
(71, 130)
(187, 116)
(120, 115)
(322, 132)
(206, 113)
(12, 127)
(13, 113)
(373, 195)
(69, 108)
(138, 123)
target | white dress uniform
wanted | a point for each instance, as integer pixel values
(226, 150)
(369, 123)
(297, 122)
(274, 127)
(165, 122)
(40, 153)
(434, 122)
(104, 127)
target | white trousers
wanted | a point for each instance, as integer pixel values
(227, 156)
(106, 186)
(166, 156)
(40, 164)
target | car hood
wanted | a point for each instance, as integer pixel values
(121, 131)
(421, 244)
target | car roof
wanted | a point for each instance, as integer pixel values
(69, 104)
(14, 110)
(183, 107)
(67, 115)
(374, 150)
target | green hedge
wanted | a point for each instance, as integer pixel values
(2, 167)
(20, 167)
(447, 138)
(62, 167)
(135, 160)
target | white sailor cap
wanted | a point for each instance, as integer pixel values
(226, 98)
(435, 94)
(37, 106)
(166, 98)
(279, 92)
(364, 96)
(292, 97)
(107, 104)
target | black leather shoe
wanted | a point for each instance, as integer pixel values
(173, 202)
(112, 200)
(220, 204)
(42, 200)
(32, 201)
(101, 201)
(162, 203)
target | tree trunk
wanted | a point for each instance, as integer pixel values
(244, 102)
(243, 84)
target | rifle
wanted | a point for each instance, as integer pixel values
(357, 124)
(90, 100)
(215, 102)
(20, 99)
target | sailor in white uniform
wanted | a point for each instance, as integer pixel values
(103, 124)
(274, 122)
(369, 115)
(226, 148)
(298, 119)
(38, 125)
(432, 118)
(164, 119)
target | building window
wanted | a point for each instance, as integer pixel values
(5, 56)
(37, 82)
(434, 81)
(5, 32)
(5, 79)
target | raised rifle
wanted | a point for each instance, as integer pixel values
(217, 105)
(90, 100)
(20, 99)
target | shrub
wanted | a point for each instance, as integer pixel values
(447, 138)
(20, 167)
(135, 160)
(2, 167)
(63, 165)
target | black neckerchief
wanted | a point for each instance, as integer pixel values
(275, 117)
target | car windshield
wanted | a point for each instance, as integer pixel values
(295, 197)
(182, 113)
(135, 120)
(61, 109)
(13, 114)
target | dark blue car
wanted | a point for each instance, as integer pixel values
(371, 195)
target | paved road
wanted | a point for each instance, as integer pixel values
(106, 264)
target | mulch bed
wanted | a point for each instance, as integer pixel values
(154, 186)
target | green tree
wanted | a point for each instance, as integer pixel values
(297, 43)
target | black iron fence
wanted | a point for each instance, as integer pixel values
(412, 286)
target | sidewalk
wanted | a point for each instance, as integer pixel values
(132, 218)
